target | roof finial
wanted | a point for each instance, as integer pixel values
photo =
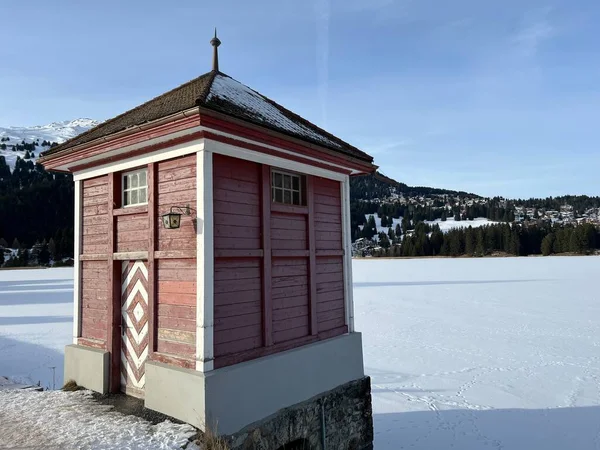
(215, 42)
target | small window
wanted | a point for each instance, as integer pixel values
(286, 188)
(135, 188)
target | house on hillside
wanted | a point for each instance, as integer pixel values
(213, 265)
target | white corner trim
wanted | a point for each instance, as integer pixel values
(204, 262)
(137, 161)
(77, 264)
(347, 245)
(274, 161)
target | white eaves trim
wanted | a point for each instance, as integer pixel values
(198, 145)
(270, 160)
(136, 161)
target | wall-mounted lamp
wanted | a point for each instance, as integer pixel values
(172, 219)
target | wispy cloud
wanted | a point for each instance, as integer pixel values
(323, 12)
(529, 38)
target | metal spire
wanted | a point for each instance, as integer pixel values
(215, 42)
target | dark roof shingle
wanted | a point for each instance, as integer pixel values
(221, 93)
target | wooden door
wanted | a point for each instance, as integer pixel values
(134, 326)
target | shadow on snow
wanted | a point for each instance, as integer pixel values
(468, 429)
(436, 283)
(28, 320)
(31, 363)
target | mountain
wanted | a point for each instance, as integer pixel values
(12, 138)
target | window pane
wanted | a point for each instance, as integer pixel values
(287, 197)
(125, 182)
(277, 180)
(278, 195)
(134, 197)
(143, 196)
(126, 198)
(134, 180)
(296, 183)
(287, 182)
(143, 178)
(296, 198)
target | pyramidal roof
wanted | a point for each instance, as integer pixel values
(219, 92)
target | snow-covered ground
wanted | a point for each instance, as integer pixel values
(482, 353)
(444, 226)
(72, 420)
(463, 353)
(36, 322)
(52, 132)
(450, 223)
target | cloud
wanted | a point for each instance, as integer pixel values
(531, 36)
(323, 13)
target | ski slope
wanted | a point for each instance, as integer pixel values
(469, 354)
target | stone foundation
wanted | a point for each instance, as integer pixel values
(345, 412)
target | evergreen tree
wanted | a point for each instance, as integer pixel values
(480, 242)
(470, 241)
(398, 230)
(3, 243)
(548, 244)
(16, 244)
(383, 240)
(52, 249)
(391, 235)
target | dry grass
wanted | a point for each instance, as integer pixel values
(71, 386)
(211, 441)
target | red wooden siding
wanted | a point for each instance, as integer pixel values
(270, 294)
(94, 303)
(171, 282)
(95, 216)
(176, 186)
(176, 309)
(237, 230)
(331, 313)
(132, 232)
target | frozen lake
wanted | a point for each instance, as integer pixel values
(482, 353)
(463, 353)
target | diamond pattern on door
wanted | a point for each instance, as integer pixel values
(134, 325)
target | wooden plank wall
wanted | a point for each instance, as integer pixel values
(237, 238)
(171, 261)
(278, 268)
(330, 267)
(94, 273)
(176, 265)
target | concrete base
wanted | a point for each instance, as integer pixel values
(176, 392)
(88, 367)
(228, 399)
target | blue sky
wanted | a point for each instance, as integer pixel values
(496, 98)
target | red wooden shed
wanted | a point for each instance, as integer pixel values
(243, 295)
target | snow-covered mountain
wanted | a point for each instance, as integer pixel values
(54, 132)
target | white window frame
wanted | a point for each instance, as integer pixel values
(291, 189)
(138, 188)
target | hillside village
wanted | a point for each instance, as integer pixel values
(401, 213)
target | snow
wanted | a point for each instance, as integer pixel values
(36, 322)
(72, 420)
(378, 223)
(450, 223)
(228, 89)
(469, 354)
(53, 132)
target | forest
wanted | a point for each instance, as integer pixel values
(507, 239)
(36, 214)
